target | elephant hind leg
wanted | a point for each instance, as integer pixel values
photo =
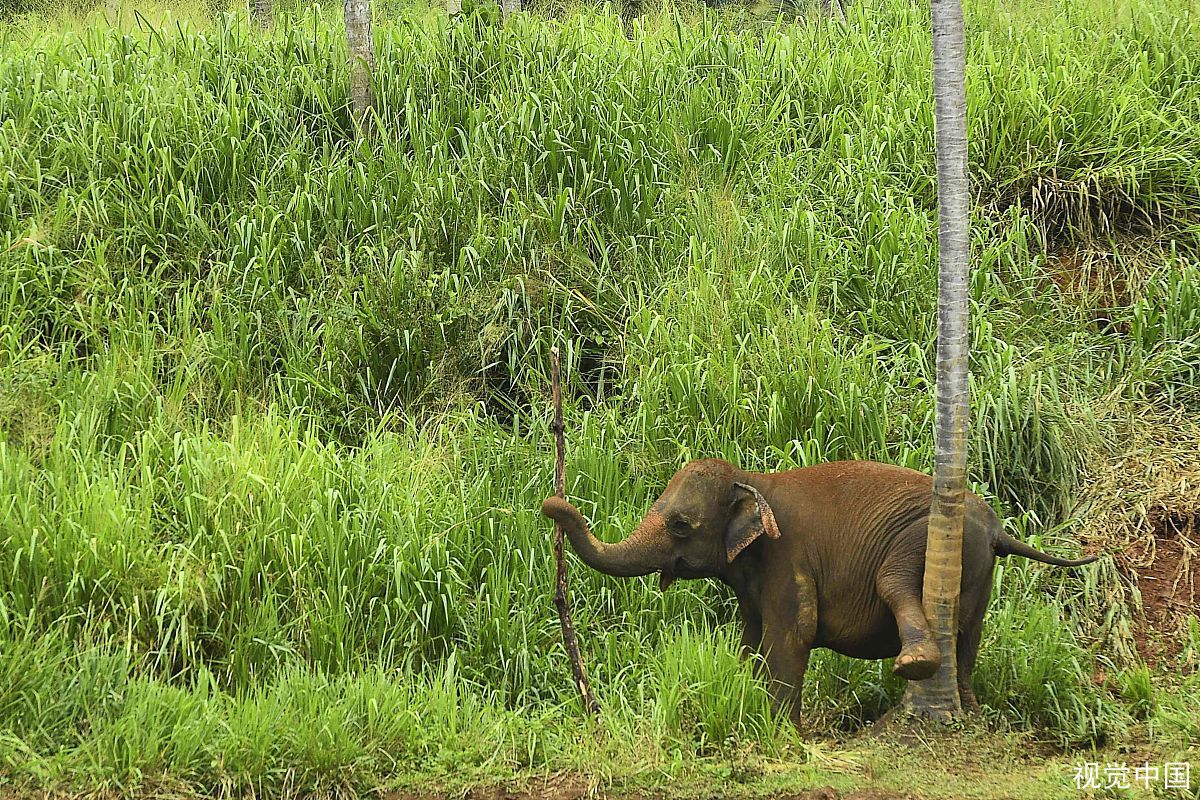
(968, 649)
(919, 656)
(977, 590)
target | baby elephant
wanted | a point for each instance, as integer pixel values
(826, 556)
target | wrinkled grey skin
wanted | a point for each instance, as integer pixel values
(826, 556)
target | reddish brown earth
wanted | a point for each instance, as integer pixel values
(1169, 581)
(573, 788)
(830, 794)
(557, 788)
(1091, 280)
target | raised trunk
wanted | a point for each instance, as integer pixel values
(938, 697)
(362, 58)
(639, 554)
(453, 7)
(509, 7)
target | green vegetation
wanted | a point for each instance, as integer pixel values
(273, 401)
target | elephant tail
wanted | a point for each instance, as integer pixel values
(1005, 545)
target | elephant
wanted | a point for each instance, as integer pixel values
(830, 555)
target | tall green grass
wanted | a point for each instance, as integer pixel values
(273, 399)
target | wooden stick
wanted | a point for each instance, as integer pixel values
(561, 598)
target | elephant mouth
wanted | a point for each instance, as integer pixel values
(665, 579)
(679, 568)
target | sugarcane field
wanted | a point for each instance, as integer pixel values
(600, 399)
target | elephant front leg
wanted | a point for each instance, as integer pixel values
(752, 629)
(786, 667)
(789, 628)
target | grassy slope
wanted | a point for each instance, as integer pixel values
(273, 429)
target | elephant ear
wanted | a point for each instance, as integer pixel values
(751, 517)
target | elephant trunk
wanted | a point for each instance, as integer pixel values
(640, 553)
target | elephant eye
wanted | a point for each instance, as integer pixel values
(680, 528)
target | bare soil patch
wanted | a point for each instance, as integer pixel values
(1104, 276)
(1168, 581)
(563, 787)
(827, 793)
(1142, 507)
(1091, 279)
(574, 788)
(555, 787)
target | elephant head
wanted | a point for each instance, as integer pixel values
(705, 517)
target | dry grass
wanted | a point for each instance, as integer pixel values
(1143, 506)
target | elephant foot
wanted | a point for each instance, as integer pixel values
(918, 662)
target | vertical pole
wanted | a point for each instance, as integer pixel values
(362, 59)
(938, 697)
(561, 596)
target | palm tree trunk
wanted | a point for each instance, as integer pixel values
(938, 697)
(362, 59)
(261, 9)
